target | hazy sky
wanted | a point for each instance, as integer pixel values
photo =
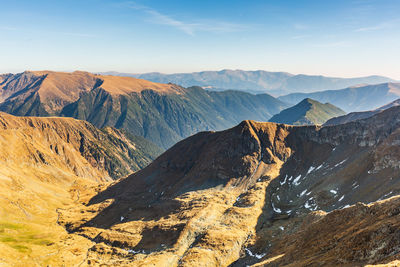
(337, 38)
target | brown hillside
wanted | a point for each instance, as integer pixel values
(47, 164)
(57, 89)
(227, 197)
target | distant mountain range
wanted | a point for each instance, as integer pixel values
(307, 112)
(353, 116)
(276, 83)
(357, 98)
(162, 113)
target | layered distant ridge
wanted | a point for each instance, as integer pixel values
(162, 113)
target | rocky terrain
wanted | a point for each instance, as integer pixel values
(277, 83)
(307, 112)
(252, 195)
(162, 113)
(355, 98)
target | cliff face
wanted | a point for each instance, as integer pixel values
(225, 197)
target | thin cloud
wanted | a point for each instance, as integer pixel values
(300, 26)
(381, 26)
(186, 27)
(334, 44)
(7, 28)
(300, 37)
(77, 34)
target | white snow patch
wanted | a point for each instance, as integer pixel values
(308, 193)
(277, 210)
(340, 163)
(237, 199)
(302, 193)
(386, 195)
(334, 149)
(255, 255)
(296, 180)
(284, 180)
(136, 251)
(333, 191)
(122, 218)
(282, 228)
(307, 205)
(340, 199)
(310, 169)
(319, 167)
(278, 197)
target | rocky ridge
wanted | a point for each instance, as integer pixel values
(231, 197)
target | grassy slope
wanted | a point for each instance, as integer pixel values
(307, 111)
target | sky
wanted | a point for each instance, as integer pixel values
(343, 38)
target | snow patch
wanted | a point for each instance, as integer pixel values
(302, 193)
(284, 180)
(310, 169)
(122, 218)
(277, 210)
(255, 255)
(340, 163)
(282, 228)
(333, 191)
(341, 198)
(296, 180)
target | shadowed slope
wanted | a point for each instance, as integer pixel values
(221, 197)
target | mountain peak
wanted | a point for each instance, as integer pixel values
(308, 111)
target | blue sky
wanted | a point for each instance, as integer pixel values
(338, 38)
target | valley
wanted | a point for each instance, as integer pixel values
(76, 194)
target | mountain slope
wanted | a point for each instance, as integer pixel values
(307, 112)
(162, 113)
(256, 81)
(167, 118)
(51, 163)
(353, 116)
(359, 98)
(231, 197)
(73, 146)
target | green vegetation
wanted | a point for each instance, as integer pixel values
(21, 237)
(308, 112)
(165, 119)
